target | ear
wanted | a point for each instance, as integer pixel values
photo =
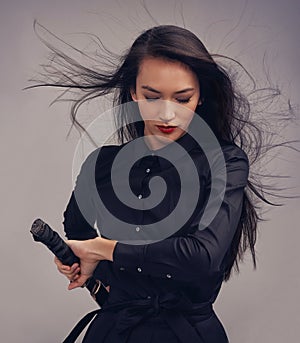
(133, 94)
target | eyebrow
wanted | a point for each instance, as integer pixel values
(156, 91)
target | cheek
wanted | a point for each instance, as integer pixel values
(148, 110)
(188, 119)
(189, 113)
(186, 114)
(193, 105)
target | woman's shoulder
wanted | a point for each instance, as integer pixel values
(109, 151)
(232, 151)
(105, 153)
(220, 152)
(237, 163)
(99, 159)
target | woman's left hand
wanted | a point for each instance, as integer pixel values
(90, 253)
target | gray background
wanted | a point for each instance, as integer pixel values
(36, 160)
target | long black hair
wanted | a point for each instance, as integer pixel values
(225, 109)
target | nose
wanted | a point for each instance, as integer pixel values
(167, 111)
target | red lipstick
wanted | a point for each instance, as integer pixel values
(166, 129)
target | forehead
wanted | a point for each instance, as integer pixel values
(157, 70)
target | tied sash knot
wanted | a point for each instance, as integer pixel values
(173, 308)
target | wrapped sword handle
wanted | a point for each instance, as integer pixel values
(43, 233)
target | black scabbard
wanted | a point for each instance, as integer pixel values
(97, 290)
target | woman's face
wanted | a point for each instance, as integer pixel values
(170, 92)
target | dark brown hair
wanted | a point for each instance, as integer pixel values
(224, 108)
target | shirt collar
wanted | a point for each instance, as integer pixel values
(142, 149)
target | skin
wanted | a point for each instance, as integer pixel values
(90, 252)
(167, 93)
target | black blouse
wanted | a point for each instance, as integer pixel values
(189, 260)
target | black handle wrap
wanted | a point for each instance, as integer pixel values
(43, 233)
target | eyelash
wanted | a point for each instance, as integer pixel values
(181, 101)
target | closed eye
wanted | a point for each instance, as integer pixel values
(181, 101)
(150, 99)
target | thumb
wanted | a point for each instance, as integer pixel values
(78, 282)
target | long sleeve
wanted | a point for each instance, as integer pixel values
(75, 223)
(190, 258)
(80, 206)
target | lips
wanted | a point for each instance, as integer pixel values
(166, 129)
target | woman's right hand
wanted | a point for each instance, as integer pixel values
(72, 273)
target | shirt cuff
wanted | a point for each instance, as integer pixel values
(129, 257)
(135, 259)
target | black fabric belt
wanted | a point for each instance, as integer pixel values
(76, 331)
(100, 295)
(173, 309)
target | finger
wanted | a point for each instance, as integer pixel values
(78, 283)
(58, 262)
(76, 277)
(60, 265)
(68, 273)
(74, 266)
(70, 268)
(74, 274)
(65, 268)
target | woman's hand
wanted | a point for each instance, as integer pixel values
(88, 263)
(90, 252)
(71, 272)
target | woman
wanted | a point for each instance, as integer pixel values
(164, 291)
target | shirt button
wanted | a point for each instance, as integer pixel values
(122, 268)
(148, 170)
(169, 276)
(140, 196)
(139, 269)
(137, 229)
